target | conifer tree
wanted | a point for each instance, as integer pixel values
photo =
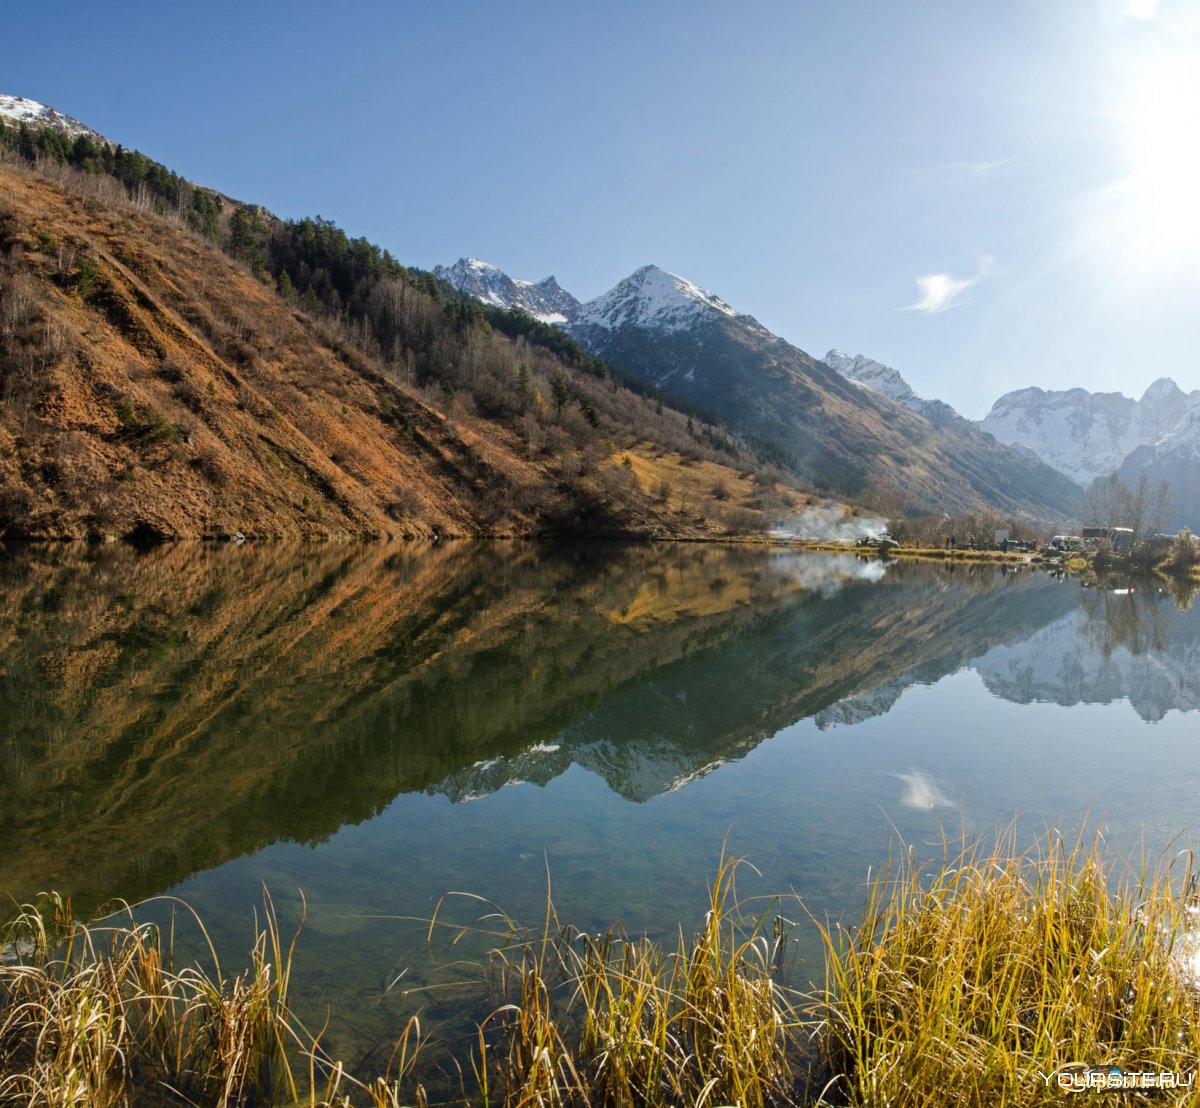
(311, 304)
(286, 289)
(559, 391)
(524, 387)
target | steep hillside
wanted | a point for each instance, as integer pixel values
(152, 386)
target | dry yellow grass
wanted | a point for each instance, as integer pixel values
(975, 984)
(971, 982)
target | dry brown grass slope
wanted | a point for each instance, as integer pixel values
(149, 384)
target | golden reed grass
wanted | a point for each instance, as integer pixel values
(971, 981)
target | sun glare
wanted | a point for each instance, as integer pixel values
(1160, 122)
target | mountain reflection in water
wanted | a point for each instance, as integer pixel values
(171, 710)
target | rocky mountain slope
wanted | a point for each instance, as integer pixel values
(847, 439)
(1175, 459)
(18, 110)
(855, 440)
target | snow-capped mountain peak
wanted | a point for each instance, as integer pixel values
(19, 109)
(654, 299)
(545, 300)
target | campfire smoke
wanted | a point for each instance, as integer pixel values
(831, 524)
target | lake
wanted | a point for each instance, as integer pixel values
(371, 728)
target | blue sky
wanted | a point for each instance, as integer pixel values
(984, 195)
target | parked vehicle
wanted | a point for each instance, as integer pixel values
(882, 541)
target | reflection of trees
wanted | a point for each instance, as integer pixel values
(1135, 619)
(1183, 590)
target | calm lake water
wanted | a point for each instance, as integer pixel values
(376, 727)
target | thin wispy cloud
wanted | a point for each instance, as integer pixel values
(987, 169)
(938, 292)
(960, 174)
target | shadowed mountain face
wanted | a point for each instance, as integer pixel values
(855, 441)
(163, 713)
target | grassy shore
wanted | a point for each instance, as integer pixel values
(933, 553)
(973, 981)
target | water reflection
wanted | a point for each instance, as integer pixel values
(376, 726)
(170, 711)
(1125, 642)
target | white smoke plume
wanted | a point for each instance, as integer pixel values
(831, 524)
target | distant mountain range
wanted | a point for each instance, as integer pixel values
(692, 344)
(1082, 434)
(868, 443)
(1085, 434)
(847, 425)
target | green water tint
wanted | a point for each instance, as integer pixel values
(377, 726)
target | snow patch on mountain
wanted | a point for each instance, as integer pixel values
(19, 109)
(545, 300)
(882, 378)
(1087, 435)
(653, 299)
(1182, 442)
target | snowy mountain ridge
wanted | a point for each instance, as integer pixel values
(19, 109)
(545, 300)
(882, 378)
(1087, 435)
